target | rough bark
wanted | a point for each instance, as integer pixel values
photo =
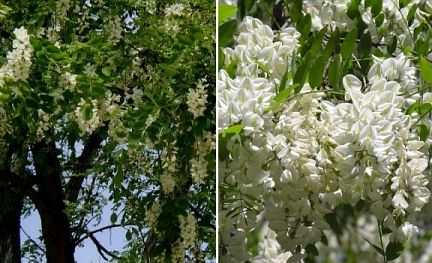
(55, 223)
(10, 212)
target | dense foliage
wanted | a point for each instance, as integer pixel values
(324, 115)
(111, 102)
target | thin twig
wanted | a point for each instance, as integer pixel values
(33, 241)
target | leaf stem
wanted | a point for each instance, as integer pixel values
(381, 241)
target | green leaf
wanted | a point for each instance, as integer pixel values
(253, 239)
(424, 108)
(334, 71)
(311, 250)
(376, 6)
(331, 219)
(316, 73)
(304, 27)
(113, 218)
(234, 129)
(106, 71)
(411, 14)
(226, 11)
(412, 108)
(170, 70)
(423, 131)
(394, 250)
(128, 235)
(365, 46)
(331, 45)
(296, 10)
(426, 70)
(349, 44)
(391, 47)
(280, 98)
(379, 20)
(352, 11)
(226, 32)
(302, 71)
(377, 248)
(317, 43)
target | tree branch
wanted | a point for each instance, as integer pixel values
(101, 249)
(83, 163)
(99, 230)
(17, 182)
(33, 241)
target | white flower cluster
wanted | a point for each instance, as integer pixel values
(44, 124)
(174, 10)
(197, 99)
(168, 183)
(19, 59)
(188, 230)
(394, 18)
(151, 215)
(325, 12)
(169, 163)
(87, 116)
(62, 7)
(178, 252)
(114, 29)
(6, 126)
(199, 164)
(68, 81)
(90, 115)
(313, 155)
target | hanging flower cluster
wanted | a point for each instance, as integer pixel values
(197, 99)
(294, 163)
(19, 59)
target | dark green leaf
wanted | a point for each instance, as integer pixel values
(317, 43)
(394, 250)
(226, 32)
(334, 71)
(379, 20)
(304, 27)
(352, 11)
(296, 10)
(391, 47)
(316, 73)
(331, 45)
(376, 6)
(349, 44)
(365, 46)
(423, 131)
(113, 218)
(302, 72)
(331, 219)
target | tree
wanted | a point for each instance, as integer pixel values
(108, 102)
(324, 130)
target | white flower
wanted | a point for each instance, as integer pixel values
(188, 230)
(174, 10)
(197, 99)
(151, 215)
(167, 182)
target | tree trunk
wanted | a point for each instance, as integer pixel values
(55, 223)
(57, 236)
(11, 204)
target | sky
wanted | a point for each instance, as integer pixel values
(111, 239)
